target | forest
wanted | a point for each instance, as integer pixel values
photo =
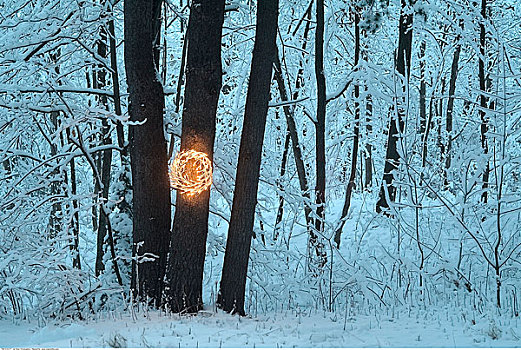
(213, 173)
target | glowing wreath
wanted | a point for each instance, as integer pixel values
(190, 172)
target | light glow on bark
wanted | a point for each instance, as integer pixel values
(190, 172)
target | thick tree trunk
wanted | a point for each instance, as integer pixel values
(320, 126)
(356, 129)
(403, 66)
(203, 84)
(233, 281)
(149, 163)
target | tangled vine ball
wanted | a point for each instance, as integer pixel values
(190, 172)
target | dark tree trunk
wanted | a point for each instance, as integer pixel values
(115, 84)
(149, 163)
(450, 107)
(483, 99)
(106, 157)
(439, 121)
(356, 129)
(76, 213)
(235, 268)
(293, 134)
(104, 226)
(320, 125)
(403, 66)
(280, 210)
(203, 84)
(368, 153)
(423, 89)
(54, 220)
(428, 126)
(57, 207)
(180, 80)
(123, 206)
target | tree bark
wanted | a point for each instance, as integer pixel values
(368, 153)
(293, 133)
(104, 226)
(235, 268)
(115, 85)
(203, 84)
(483, 99)
(295, 144)
(356, 129)
(450, 107)
(106, 158)
(423, 89)
(149, 163)
(280, 210)
(76, 215)
(403, 66)
(180, 80)
(320, 125)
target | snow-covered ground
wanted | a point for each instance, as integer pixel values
(406, 328)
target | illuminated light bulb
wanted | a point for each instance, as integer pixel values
(190, 172)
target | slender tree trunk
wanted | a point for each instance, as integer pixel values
(280, 210)
(54, 220)
(368, 154)
(74, 241)
(293, 134)
(97, 161)
(320, 125)
(106, 158)
(235, 268)
(180, 81)
(439, 121)
(428, 126)
(115, 84)
(356, 129)
(450, 107)
(151, 189)
(483, 99)
(403, 65)
(75, 213)
(104, 225)
(423, 89)
(203, 84)
(124, 206)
